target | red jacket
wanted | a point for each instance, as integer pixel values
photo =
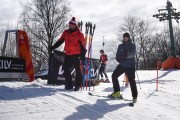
(104, 58)
(73, 42)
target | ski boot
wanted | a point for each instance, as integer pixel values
(107, 81)
(101, 80)
(134, 99)
(116, 95)
(68, 87)
(76, 89)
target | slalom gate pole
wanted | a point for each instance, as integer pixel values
(157, 67)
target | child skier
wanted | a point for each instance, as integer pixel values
(103, 64)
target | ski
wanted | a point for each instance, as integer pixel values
(91, 34)
(88, 62)
(131, 104)
(108, 96)
(84, 67)
(91, 94)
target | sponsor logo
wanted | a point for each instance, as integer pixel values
(92, 71)
(5, 64)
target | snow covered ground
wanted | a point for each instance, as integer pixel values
(39, 101)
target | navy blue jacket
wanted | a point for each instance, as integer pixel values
(125, 54)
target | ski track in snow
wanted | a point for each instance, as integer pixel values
(39, 101)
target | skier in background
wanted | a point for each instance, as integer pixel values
(75, 51)
(125, 56)
(103, 64)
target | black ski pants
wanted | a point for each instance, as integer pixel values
(130, 72)
(102, 70)
(73, 60)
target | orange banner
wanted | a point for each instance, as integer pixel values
(25, 53)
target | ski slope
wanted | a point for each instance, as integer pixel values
(39, 101)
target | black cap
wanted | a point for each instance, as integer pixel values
(126, 35)
(101, 51)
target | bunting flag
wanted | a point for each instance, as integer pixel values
(25, 53)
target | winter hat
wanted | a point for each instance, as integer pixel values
(101, 51)
(73, 21)
(126, 35)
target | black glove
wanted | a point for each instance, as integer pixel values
(103, 65)
(56, 45)
(83, 54)
(84, 62)
(51, 49)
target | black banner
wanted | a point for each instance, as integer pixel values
(9, 64)
(56, 69)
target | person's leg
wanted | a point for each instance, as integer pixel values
(104, 71)
(100, 72)
(67, 72)
(78, 80)
(131, 77)
(116, 73)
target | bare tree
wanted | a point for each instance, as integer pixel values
(145, 43)
(11, 41)
(44, 20)
(129, 25)
(1, 41)
(162, 46)
(111, 54)
(142, 35)
(177, 40)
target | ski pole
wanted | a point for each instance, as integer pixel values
(138, 79)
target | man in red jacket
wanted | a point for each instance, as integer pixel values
(74, 51)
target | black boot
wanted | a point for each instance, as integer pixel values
(68, 87)
(76, 88)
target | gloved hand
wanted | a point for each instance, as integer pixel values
(51, 48)
(103, 65)
(56, 45)
(83, 55)
(84, 62)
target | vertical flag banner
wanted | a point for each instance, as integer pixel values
(25, 53)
